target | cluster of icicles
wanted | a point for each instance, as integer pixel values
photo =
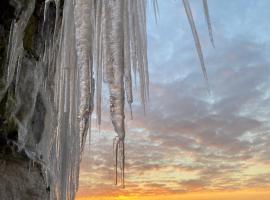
(102, 41)
(109, 38)
(96, 42)
(110, 43)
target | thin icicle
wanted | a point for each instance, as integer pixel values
(10, 44)
(208, 21)
(89, 140)
(122, 161)
(115, 156)
(196, 38)
(156, 9)
(119, 159)
(139, 7)
(127, 57)
(98, 58)
(131, 27)
(18, 72)
(47, 3)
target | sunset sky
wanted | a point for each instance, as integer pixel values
(191, 145)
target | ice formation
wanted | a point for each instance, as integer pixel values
(208, 21)
(196, 38)
(93, 42)
(100, 41)
(110, 41)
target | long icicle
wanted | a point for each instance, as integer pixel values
(141, 48)
(115, 68)
(196, 39)
(208, 21)
(84, 31)
(98, 58)
(127, 57)
(156, 9)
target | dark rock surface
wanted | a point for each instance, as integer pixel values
(20, 178)
(25, 105)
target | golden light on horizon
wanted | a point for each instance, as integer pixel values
(226, 195)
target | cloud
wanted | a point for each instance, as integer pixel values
(189, 140)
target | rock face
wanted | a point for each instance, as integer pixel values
(21, 101)
(20, 178)
(32, 161)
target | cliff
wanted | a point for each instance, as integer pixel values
(36, 161)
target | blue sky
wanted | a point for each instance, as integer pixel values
(190, 141)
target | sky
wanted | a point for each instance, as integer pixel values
(191, 145)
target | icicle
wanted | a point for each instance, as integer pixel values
(66, 93)
(140, 46)
(127, 62)
(121, 26)
(47, 3)
(131, 28)
(83, 29)
(9, 49)
(89, 140)
(115, 67)
(144, 75)
(115, 156)
(18, 71)
(57, 7)
(65, 144)
(207, 18)
(196, 38)
(131, 113)
(156, 9)
(122, 161)
(98, 58)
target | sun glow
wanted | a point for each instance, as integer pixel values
(227, 195)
